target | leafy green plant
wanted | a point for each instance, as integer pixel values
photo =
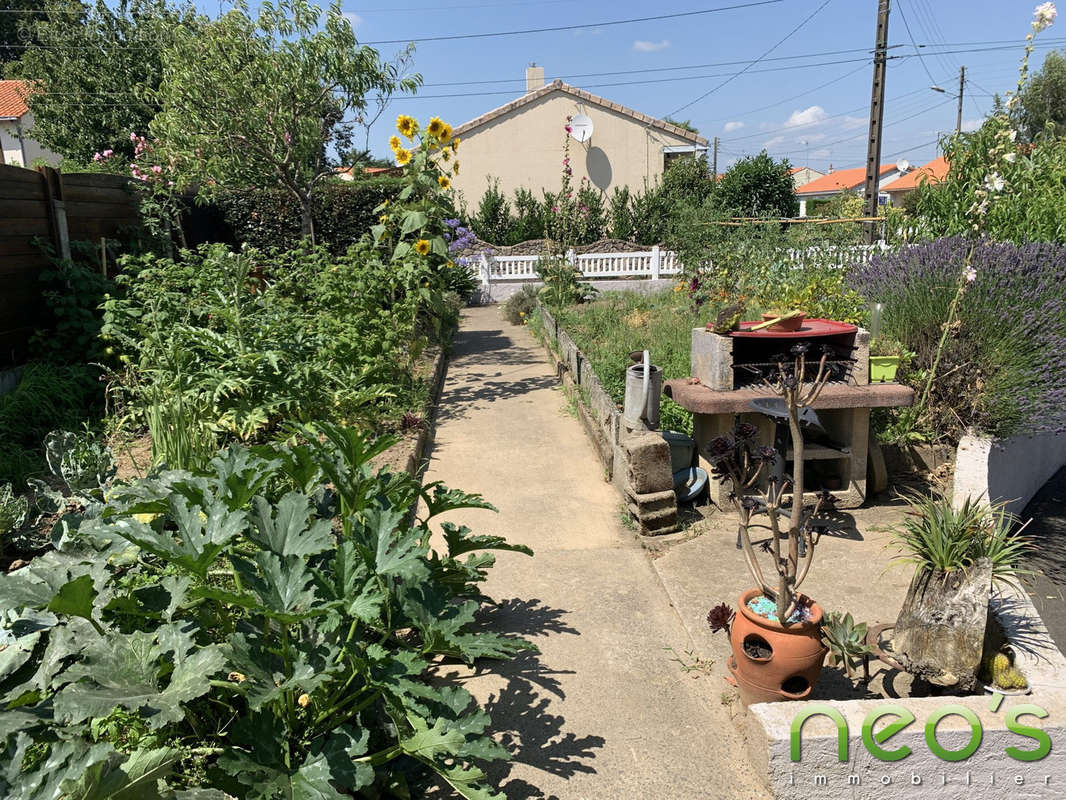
(264, 627)
(845, 639)
(563, 285)
(936, 536)
(13, 511)
(180, 437)
(521, 304)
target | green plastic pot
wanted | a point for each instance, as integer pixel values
(883, 368)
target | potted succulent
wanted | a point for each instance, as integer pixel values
(886, 354)
(776, 633)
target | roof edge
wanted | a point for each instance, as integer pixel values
(558, 85)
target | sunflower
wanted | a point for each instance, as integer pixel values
(406, 125)
(455, 168)
(403, 156)
(455, 145)
(395, 143)
(436, 127)
(445, 154)
(422, 247)
(444, 181)
(446, 134)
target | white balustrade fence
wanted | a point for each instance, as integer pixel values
(654, 263)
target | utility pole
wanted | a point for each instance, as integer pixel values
(877, 103)
(962, 83)
(714, 162)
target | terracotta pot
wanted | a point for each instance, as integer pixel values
(790, 324)
(795, 657)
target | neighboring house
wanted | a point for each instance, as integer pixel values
(845, 180)
(520, 144)
(16, 125)
(933, 172)
(802, 175)
(345, 173)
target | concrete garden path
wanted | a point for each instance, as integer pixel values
(603, 711)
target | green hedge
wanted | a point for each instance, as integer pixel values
(268, 218)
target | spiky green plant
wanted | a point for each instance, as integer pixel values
(13, 510)
(937, 536)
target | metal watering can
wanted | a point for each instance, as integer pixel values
(644, 387)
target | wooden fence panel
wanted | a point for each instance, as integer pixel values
(32, 206)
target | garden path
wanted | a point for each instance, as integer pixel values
(603, 711)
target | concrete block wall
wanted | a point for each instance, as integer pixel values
(636, 462)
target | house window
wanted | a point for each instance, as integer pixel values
(671, 154)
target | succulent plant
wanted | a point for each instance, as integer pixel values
(720, 617)
(845, 639)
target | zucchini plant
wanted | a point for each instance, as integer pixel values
(263, 628)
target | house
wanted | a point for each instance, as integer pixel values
(17, 148)
(846, 180)
(802, 175)
(520, 144)
(345, 173)
(933, 172)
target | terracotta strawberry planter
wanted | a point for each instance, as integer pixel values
(771, 661)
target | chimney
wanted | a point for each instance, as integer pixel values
(534, 77)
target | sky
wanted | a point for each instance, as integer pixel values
(804, 92)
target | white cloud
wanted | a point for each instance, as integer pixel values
(774, 142)
(850, 123)
(353, 19)
(971, 124)
(732, 126)
(642, 46)
(808, 116)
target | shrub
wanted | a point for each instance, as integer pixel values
(263, 627)
(269, 218)
(1003, 365)
(493, 221)
(621, 217)
(756, 186)
(529, 220)
(521, 304)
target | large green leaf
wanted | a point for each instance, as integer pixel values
(135, 778)
(412, 221)
(67, 761)
(460, 541)
(284, 585)
(123, 671)
(265, 679)
(285, 531)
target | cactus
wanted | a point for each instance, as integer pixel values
(998, 669)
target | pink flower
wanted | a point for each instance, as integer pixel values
(97, 156)
(133, 137)
(108, 153)
(970, 274)
(555, 209)
(568, 129)
(157, 169)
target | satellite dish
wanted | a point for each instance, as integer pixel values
(903, 165)
(581, 128)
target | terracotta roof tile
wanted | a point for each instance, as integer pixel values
(933, 172)
(11, 102)
(839, 181)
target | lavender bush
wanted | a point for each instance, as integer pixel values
(1004, 368)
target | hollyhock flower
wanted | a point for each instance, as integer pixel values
(1044, 16)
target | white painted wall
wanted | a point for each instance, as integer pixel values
(1011, 470)
(14, 149)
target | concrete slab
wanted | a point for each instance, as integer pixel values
(604, 711)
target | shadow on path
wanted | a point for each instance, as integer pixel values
(1048, 531)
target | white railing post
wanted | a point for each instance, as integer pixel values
(655, 262)
(486, 272)
(570, 256)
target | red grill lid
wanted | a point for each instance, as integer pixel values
(811, 329)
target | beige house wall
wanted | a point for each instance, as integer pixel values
(523, 147)
(805, 175)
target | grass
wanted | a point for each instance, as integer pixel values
(608, 329)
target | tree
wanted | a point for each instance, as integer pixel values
(756, 186)
(93, 66)
(15, 22)
(254, 101)
(1043, 100)
(687, 124)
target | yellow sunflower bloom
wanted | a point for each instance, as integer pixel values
(444, 181)
(403, 156)
(455, 168)
(422, 247)
(455, 145)
(446, 134)
(407, 125)
(395, 143)
(445, 154)
(436, 127)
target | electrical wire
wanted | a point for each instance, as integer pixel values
(914, 44)
(780, 42)
(454, 36)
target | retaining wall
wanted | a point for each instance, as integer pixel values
(1011, 470)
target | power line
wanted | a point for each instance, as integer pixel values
(454, 36)
(917, 52)
(753, 63)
